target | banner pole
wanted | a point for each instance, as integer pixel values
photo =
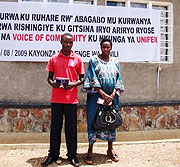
(158, 78)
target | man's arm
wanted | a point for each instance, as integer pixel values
(80, 81)
(77, 83)
(51, 81)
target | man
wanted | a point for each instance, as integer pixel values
(64, 99)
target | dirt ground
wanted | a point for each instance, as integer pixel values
(132, 154)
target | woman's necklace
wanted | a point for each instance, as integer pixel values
(104, 58)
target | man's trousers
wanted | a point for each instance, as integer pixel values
(69, 111)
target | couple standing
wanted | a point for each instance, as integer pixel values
(103, 79)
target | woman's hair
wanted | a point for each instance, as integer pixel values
(105, 40)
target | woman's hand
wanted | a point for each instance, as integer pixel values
(108, 99)
(107, 104)
(113, 93)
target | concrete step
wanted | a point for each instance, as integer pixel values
(18, 138)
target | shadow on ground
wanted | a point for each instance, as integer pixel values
(97, 159)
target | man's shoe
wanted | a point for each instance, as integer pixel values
(74, 162)
(48, 161)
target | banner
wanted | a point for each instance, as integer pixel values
(32, 31)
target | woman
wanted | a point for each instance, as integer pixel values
(103, 80)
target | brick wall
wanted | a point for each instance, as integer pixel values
(135, 118)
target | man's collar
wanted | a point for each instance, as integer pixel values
(69, 56)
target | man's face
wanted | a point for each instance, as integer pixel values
(67, 43)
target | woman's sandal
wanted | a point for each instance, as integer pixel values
(89, 160)
(113, 156)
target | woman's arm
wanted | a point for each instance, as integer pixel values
(105, 96)
(108, 99)
(113, 93)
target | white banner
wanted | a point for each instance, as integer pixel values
(32, 31)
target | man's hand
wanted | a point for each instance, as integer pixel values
(69, 86)
(73, 84)
(55, 85)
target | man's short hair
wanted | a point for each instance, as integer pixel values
(66, 34)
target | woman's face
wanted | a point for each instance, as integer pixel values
(106, 48)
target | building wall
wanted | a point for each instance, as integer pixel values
(26, 82)
(135, 118)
